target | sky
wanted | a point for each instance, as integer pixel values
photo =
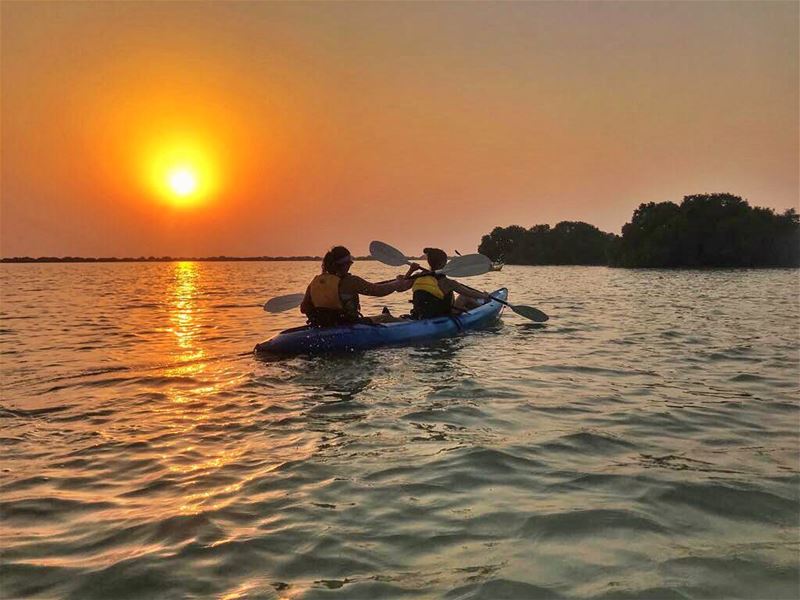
(241, 128)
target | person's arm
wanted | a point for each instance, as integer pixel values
(411, 268)
(361, 286)
(466, 291)
(306, 305)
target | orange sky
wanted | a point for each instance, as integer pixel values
(416, 123)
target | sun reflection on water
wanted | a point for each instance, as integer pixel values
(184, 316)
(188, 361)
(191, 405)
(187, 425)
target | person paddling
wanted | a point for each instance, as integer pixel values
(434, 295)
(332, 297)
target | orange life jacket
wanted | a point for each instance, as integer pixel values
(329, 306)
(325, 292)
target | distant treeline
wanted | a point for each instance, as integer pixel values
(568, 243)
(705, 230)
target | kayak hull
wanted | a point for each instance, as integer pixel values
(353, 338)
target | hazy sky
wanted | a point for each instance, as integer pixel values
(417, 123)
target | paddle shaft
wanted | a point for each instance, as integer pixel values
(490, 296)
(496, 299)
(511, 306)
(529, 312)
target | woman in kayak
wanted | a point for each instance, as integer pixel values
(434, 295)
(332, 297)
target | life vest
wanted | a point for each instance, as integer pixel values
(428, 298)
(329, 306)
(324, 291)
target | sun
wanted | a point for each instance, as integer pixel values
(182, 181)
(183, 173)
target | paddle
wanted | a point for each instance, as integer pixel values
(529, 312)
(387, 254)
(289, 301)
(468, 265)
(283, 303)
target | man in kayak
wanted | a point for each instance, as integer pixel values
(332, 297)
(434, 295)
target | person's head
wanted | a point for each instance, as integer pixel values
(437, 258)
(337, 261)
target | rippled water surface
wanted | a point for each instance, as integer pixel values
(642, 444)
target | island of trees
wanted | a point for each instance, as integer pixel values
(705, 230)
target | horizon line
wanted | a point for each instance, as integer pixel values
(220, 258)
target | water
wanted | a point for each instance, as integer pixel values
(644, 443)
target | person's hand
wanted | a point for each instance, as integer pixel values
(414, 267)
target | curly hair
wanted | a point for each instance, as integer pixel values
(330, 261)
(437, 258)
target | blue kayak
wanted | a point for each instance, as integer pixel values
(351, 338)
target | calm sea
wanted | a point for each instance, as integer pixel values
(644, 443)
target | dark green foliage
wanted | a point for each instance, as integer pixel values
(708, 230)
(568, 243)
(705, 230)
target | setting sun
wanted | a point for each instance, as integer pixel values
(182, 172)
(182, 181)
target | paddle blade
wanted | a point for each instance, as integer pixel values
(387, 254)
(283, 303)
(467, 265)
(534, 314)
